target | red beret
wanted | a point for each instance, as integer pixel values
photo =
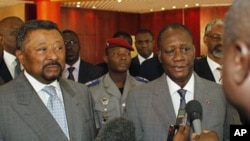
(118, 42)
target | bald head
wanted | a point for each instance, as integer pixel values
(8, 30)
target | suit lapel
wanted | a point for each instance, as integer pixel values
(73, 111)
(201, 94)
(34, 113)
(162, 103)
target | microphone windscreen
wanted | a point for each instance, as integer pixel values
(194, 109)
(117, 129)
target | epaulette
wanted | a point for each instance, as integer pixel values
(93, 82)
(141, 79)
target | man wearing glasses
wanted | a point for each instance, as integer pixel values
(210, 67)
(77, 69)
(144, 43)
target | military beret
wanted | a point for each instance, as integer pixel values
(118, 42)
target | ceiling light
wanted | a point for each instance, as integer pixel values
(174, 7)
(186, 5)
(119, 0)
(197, 4)
(162, 8)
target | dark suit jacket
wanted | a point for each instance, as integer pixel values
(202, 68)
(151, 69)
(88, 72)
(24, 116)
(134, 68)
(150, 107)
(4, 72)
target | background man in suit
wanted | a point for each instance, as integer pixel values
(76, 68)
(144, 43)
(153, 106)
(25, 106)
(110, 91)
(209, 67)
(8, 29)
(1, 60)
(236, 63)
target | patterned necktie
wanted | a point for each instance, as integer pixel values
(220, 70)
(71, 76)
(182, 94)
(56, 108)
(17, 68)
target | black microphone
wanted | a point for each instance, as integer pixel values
(117, 129)
(194, 111)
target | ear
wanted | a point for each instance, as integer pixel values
(205, 38)
(19, 55)
(159, 55)
(241, 61)
(105, 58)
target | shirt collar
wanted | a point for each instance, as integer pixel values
(38, 86)
(173, 87)
(142, 59)
(212, 64)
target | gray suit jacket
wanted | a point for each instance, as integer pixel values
(150, 107)
(24, 117)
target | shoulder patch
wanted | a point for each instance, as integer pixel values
(141, 79)
(92, 83)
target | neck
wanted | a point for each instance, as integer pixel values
(118, 78)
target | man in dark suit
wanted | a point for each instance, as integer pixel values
(144, 43)
(210, 67)
(1, 59)
(154, 106)
(8, 29)
(25, 106)
(82, 71)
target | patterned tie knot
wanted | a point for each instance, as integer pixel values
(71, 69)
(182, 94)
(220, 70)
(71, 76)
(50, 90)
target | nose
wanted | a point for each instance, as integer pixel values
(51, 53)
(178, 55)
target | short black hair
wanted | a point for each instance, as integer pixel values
(32, 25)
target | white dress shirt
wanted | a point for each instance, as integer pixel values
(173, 88)
(213, 67)
(141, 59)
(10, 61)
(38, 86)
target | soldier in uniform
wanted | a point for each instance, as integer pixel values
(110, 91)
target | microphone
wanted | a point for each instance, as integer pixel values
(194, 111)
(117, 129)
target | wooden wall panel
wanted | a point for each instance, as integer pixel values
(192, 21)
(157, 20)
(95, 27)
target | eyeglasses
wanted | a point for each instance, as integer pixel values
(140, 42)
(215, 37)
(70, 42)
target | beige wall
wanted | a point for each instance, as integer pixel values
(16, 10)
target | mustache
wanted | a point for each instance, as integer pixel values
(52, 63)
(218, 46)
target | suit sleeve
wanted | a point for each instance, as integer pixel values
(131, 113)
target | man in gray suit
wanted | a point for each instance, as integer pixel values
(24, 105)
(153, 107)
